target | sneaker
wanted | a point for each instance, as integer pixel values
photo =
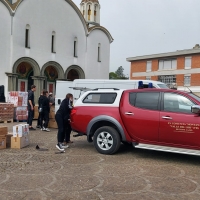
(60, 147)
(42, 129)
(46, 129)
(65, 146)
(38, 126)
(32, 129)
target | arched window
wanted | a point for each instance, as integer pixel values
(99, 52)
(83, 11)
(75, 47)
(27, 36)
(53, 50)
(89, 13)
(95, 13)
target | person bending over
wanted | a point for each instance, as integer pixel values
(63, 115)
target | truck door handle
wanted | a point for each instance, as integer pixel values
(129, 113)
(168, 118)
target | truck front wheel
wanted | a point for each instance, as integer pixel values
(106, 140)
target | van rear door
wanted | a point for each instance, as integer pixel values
(62, 88)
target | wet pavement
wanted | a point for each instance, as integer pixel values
(82, 173)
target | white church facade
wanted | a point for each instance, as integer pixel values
(45, 40)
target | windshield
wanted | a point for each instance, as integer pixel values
(163, 86)
(195, 96)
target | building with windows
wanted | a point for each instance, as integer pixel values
(179, 69)
(45, 40)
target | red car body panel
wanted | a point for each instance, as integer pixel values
(84, 114)
(145, 126)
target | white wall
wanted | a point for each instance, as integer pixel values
(5, 37)
(44, 17)
(94, 68)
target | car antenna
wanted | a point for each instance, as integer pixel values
(189, 89)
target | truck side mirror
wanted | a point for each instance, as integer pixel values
(195, 109)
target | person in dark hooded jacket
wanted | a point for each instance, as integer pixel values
(44, 104)
(39, 113)
(63, 117)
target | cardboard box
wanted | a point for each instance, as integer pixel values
(52, 112)
(2, 142)
(26, 129)
(3, 130)
(20, 130)
(20, 142)
(20, 113)
(24, 117)
(8, 140)
(6, 111)
(18, 98)
(52, 123)
(15, 131)
(36, 114)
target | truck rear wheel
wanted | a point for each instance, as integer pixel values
(106, 140)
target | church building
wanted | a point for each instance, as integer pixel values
(45, 40)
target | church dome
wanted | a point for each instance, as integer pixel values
(94, 1)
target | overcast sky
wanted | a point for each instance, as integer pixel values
(143, 27)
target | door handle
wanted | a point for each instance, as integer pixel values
(129, 113)
(168, 118)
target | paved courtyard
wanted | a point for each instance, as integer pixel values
(81, 173)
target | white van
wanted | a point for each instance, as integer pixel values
(79, 86)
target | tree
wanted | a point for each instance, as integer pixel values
(119, 74)
(112, 75)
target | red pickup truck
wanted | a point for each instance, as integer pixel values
(157, 119)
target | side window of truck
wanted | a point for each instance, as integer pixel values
(177, 103)
(145, 100)
(104, 98)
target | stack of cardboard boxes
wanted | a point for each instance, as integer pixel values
(6, 112)
(36, 113)
(21, 113)
(3, 133)
(20, 101)
(52, 121)
(20, 136)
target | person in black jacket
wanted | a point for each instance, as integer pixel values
(31, 105)
(44, 104)
(39, 113)
(63, 117)
(67, 127)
